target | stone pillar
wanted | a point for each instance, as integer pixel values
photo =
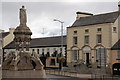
(17, 45)
(27, 46)
(17, 49)
(22, 46)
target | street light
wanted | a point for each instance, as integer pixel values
(61, 31)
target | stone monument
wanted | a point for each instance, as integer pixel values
(22, 64)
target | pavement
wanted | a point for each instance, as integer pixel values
(56, 77)
(75, 76)
(69, 74)
(84, 75)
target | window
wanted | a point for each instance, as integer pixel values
(99, 29)
(99, 38)
(75, 55)
(114, 29)
(86, 30)
(100, 56)
(42, 50)
(60, 49)
(0, 43)
(75, 32)
(48, 50)
(52, 62)
(86, 39)
(74, 40)
(54, 49)
(38, 51)
(118, 55)
(33, 50)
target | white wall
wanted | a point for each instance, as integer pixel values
(9, 38)
(51, 50)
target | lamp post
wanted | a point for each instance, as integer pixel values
(61, 31)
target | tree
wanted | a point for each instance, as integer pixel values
(60, 55)
(61, 60)
(48, 54)
(43, 54)
(55, 54)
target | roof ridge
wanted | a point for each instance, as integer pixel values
(96, 19)
(107, 13)
(101, 14)
(49, 37)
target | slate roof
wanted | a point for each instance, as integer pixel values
(116, 46)
(42, 42)
(96, 19)
(4, 34)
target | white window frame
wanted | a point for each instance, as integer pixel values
(86, 31)
(75, 31)
(114, 29)
(97, 39)
(75, 40)
(86, 39)
(75, 54)
(99, 29)
(101, 56)
(118, 54)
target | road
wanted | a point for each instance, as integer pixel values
(54, 77)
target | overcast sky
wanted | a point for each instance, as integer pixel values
(40, 14)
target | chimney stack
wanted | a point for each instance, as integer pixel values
(1, 31)
(11, 30)
(119, 5)
(82, 14)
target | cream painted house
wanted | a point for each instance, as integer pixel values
(90, 38)
(5, 39)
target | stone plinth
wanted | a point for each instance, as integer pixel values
(23, 74)
(26, 66)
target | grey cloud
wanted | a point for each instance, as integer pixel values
(59, 0)
(41, 14)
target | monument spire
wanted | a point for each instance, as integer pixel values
(21, 63)
(22, 32)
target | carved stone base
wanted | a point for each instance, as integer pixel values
(23, 74)
(25, 66)
(24, 62)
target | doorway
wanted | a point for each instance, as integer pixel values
(87, 54)
(87, 59)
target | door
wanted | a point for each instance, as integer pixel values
(87, 59)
